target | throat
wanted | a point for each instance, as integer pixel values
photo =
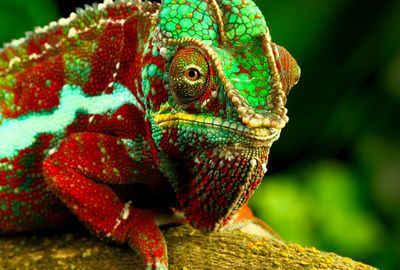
(219, 182)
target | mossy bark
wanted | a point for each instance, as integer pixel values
(187, 249)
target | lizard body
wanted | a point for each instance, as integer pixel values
(128, 107)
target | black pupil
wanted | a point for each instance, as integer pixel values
(192, 73)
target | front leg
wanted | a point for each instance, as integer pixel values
(78, 173)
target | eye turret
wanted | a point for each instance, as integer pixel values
(188, 75)
(288, 69)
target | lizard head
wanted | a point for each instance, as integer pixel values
(227, 85)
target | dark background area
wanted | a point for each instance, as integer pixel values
(334, 175)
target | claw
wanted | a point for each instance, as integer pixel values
(158, 265)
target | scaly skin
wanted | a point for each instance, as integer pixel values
(128, 113)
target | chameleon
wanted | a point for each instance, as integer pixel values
(129, 115)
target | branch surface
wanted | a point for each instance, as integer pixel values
(187, 248)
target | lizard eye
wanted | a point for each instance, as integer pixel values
(188, 75)
(192, 74)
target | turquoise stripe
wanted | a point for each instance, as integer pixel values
(21, 133)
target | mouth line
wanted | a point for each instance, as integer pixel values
(261, 135)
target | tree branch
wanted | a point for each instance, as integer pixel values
(187, 249)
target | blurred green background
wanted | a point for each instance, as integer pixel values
(334, 175)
